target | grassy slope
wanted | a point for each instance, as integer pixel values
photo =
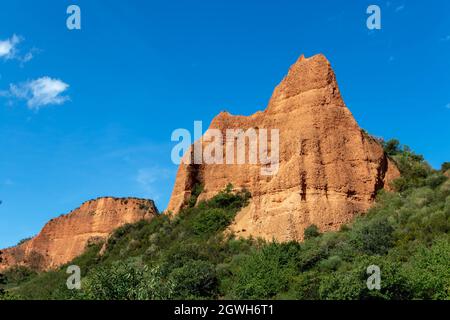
(406, 234)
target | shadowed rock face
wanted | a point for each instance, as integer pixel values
(64, 238)
(329, 169)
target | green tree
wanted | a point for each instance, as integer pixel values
(264, 273)
(429, 271)
(374, 237)
(195, 279)
(392, 147)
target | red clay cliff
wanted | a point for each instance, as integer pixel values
(329, 169)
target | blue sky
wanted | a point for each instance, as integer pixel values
(90, 112)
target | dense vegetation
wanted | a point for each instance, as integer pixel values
(189, 256)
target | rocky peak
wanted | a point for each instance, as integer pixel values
(329, 169)
(307, 76)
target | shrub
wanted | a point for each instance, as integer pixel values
(429, 271)
(125, 281)
(211, 220)
(445, 167)
(311, 232)
(311, 253)
(435, 180)
(195, 193)
(330, 264)
(306, 285)
(374, 237)
(392, 147)
(18, 274)
(264, 273)
(350, 282)
(196, 279)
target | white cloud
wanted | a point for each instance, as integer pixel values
(27, 57)
(8, 47)
(399, 8)
(448, 106)
(9, 50)
(446, 38)
(39, 93)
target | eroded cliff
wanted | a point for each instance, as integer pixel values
(329, 169)
(66, 237)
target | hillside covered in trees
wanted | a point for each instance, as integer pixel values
(189, 256)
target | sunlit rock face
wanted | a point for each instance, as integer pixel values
(329, 169)
(64, 238)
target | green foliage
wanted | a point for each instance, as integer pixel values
(3, 281)
(5, 295)
(374, 237)
(196, 191)
(18, 274)
(350, 281)
(265, 272)
(429, 271)
(311, 232)
(412, 166)
(189, 256)
(211, 220)
(330, 264)
(392, 147)
(445, 167)
(164, 258)
(195, 279)
(127, 281)
(228, 199)
(305, 286)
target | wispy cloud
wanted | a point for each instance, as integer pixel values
(8, 47)
(38, 93)
(446, 38)
(151, 179)
(9, 50)
(400, 8)
(448, 105)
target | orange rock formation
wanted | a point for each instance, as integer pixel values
(66, 237)
(329, 169)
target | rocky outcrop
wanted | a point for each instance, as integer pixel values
(329, 169)
(66, 237)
